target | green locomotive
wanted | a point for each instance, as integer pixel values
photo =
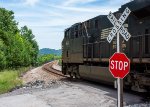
(86, 52)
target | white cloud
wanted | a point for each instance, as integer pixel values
(66, 20)
(31, 2)
(33, 14)
(100, 10)
(73, 2)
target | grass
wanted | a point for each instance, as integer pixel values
(9, 79)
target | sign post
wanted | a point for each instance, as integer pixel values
(119, 64)
(120, 89)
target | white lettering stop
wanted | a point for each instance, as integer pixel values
(118, 65)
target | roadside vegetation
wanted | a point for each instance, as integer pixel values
(18, 47)
(47, 58)
(18, 50)
(9, 79)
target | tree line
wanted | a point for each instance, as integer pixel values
(17, 46)
(47, 58)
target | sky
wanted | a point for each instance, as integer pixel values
(49, 18)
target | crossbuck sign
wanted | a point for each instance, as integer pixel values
(117, 72)
(118, 25)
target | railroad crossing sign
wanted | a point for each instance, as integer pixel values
(119, 65)
(118, 25)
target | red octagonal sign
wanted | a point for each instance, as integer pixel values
(119, 65)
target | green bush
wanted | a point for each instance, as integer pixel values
(47, 58)
(18, 47)
(9, 79)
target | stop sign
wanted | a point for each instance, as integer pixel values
(119, 65)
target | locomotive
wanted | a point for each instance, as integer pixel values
(86, 51)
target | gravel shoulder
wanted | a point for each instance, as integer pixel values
(39, 74)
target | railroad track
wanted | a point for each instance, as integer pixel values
(49, 67)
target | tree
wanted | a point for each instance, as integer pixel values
(7, 21)
(2, 55)
(17, 47)
(27, 34)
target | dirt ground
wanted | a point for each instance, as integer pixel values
(39, 74)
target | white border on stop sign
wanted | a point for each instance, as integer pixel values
(128, 60)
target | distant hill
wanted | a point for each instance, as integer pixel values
(49, 51)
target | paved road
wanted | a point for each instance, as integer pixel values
(24, 100)
(68, 94)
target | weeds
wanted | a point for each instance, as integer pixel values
(9, 79)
